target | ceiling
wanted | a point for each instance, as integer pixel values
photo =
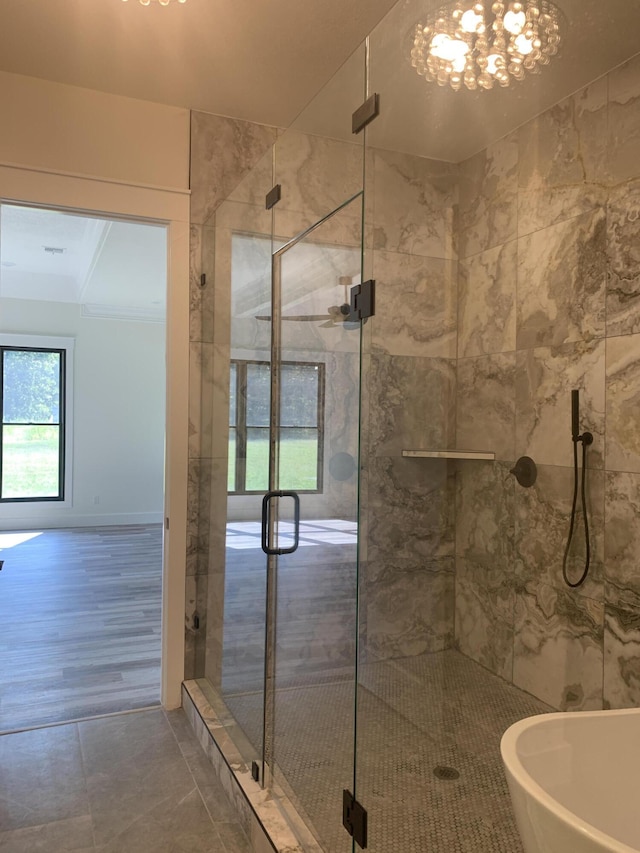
(264, 61)
(250, 59)
(111, 268)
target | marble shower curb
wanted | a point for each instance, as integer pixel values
(260, 811)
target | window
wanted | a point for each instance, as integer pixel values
(34, 401)
(301, 426)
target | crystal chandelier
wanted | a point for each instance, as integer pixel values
(483, 43)
(161, 2)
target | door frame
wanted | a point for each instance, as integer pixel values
(110, 198)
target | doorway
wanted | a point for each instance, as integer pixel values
(82, 339)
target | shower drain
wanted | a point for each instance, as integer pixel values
(442, 772)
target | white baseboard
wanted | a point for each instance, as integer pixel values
(47, 521)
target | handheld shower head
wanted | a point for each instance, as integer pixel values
(575, 415)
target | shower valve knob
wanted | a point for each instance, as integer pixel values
(525, 471)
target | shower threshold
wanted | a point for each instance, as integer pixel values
(428, 761)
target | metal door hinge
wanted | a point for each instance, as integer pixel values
(365, 113)
(354, 818)
(203, 280)
(273, 197)
(255, 771)
(363, 300)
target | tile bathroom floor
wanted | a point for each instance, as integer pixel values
(132, 782)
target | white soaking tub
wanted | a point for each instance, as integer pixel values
(574, 780)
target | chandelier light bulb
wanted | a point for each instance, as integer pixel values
(515, 22)
(481, 44)
(470, 21)
(523, 45)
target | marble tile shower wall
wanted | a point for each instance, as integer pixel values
(549, 300)
(223, 150)
(407, 529)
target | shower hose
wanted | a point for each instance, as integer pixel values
(585, 439)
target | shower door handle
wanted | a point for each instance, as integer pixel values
(266, 522)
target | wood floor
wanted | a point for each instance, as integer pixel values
(79, 623)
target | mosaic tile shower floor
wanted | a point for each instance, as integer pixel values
(414, 715)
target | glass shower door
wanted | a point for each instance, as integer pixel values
(310, 687)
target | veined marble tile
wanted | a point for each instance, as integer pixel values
(195, 549)
(208, 398)
(316, 174)
(624, 122)
(252, 189)
(414, 208)
(342, 395)
(207, 508)
(409, 609)
(486, 404)
(198, 307)
(489, 197)
(485, 514)
(195, 638)
(623, 249)
(198, 507)
(484, 614)
(415, 305)
(411, 509)
(558, 650)
(545, 378)
(215, 622)
(562, 282)
(43, 778)
(223, 151)
(622, 541)
(487, 296)
(542, 521)
(227, 255)
(134, 767)
(251, 219)
(73, 835)
(561, 159)
(264, 813)
(342, 229)
(210, 299)
(621, 658)
(411, 404)
(215, 520)
(623, 400)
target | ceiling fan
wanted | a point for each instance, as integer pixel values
(336, 315)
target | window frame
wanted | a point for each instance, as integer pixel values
(241, 428)
(64, 346)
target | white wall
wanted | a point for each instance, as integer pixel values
(118, 417)
(68, 129)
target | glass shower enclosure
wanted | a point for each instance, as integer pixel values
(384, 598)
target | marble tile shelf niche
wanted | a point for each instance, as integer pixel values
(487, 455)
